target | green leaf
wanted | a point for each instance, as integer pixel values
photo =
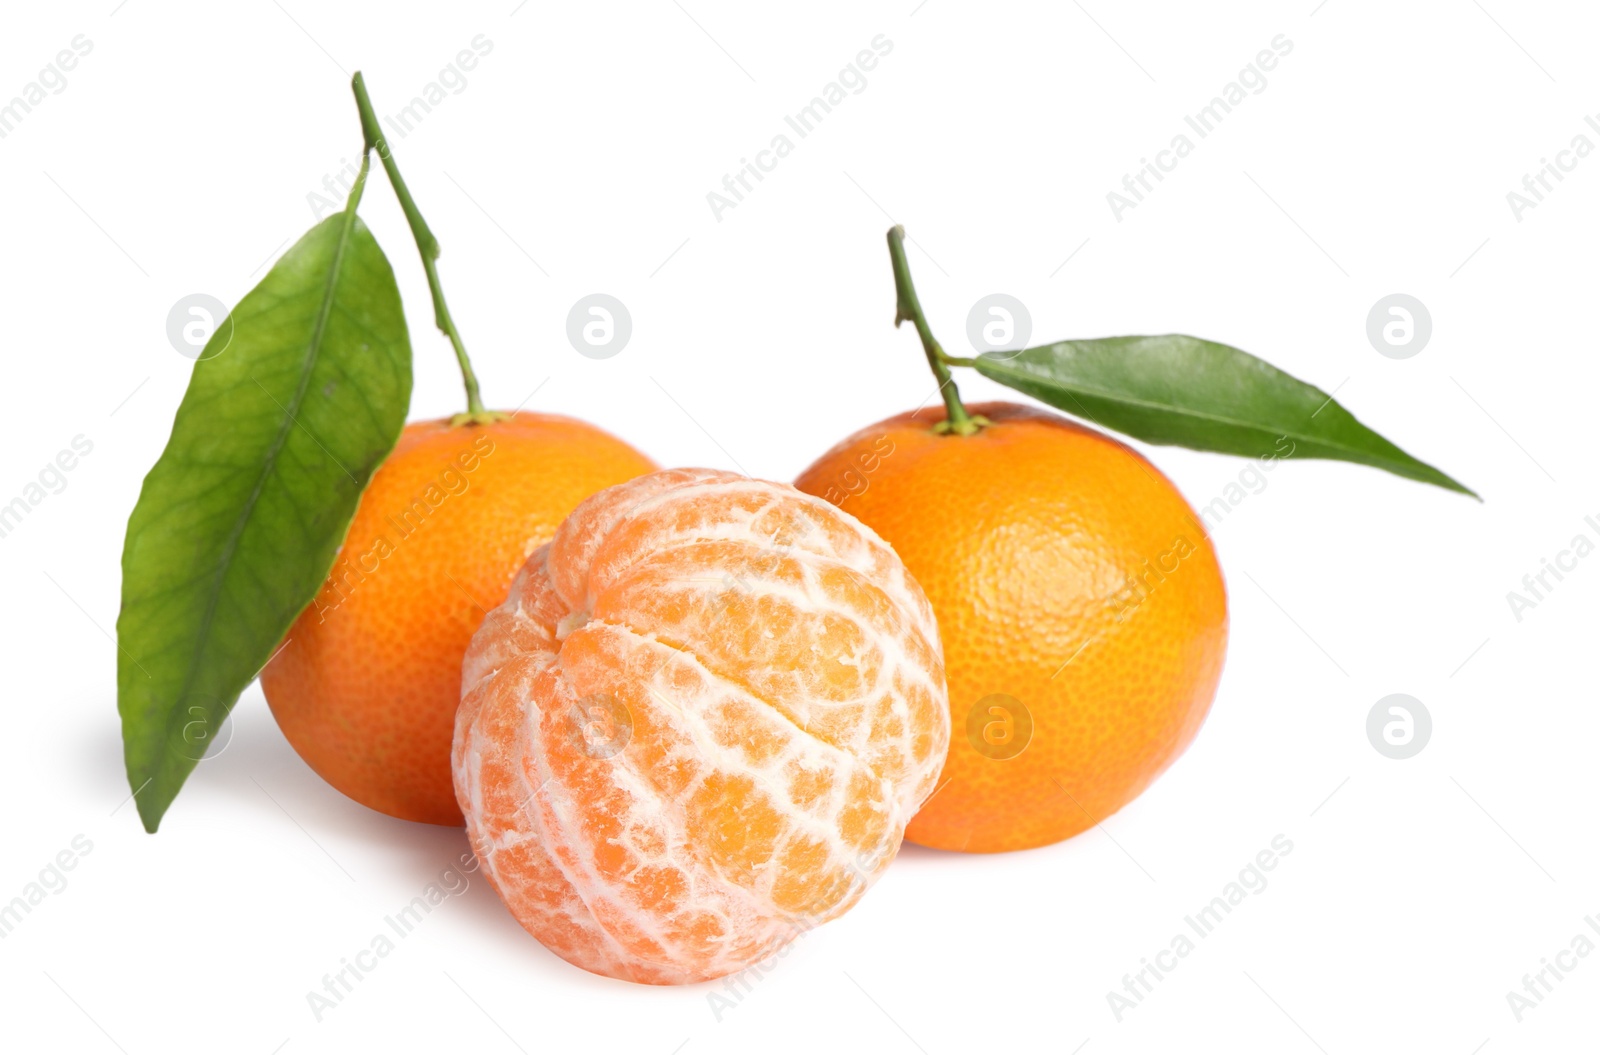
(296, 400)
(1186, 392)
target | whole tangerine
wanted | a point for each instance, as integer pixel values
(1080, 603)
(366, 684)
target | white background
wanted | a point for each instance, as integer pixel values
(178, 160)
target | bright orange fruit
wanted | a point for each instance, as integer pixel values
(1082, 611)
(698, 725)
(367, 683)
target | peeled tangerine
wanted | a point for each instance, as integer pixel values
(698, 725)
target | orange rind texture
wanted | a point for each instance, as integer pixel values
(698, 725)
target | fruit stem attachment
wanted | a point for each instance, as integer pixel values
(907, 307)
(428, 248)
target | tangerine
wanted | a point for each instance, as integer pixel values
(698, 725)
(1080, 603)
(366, 684)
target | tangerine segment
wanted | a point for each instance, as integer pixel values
(698, 725)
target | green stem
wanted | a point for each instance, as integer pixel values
(907, 307)
(360, 185)
(427, 247)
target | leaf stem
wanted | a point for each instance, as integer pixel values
(907, 307)
(360, 185)
(428, 248)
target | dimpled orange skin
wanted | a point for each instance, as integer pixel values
(366, 686)
(698, 725)
(1067, 573)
